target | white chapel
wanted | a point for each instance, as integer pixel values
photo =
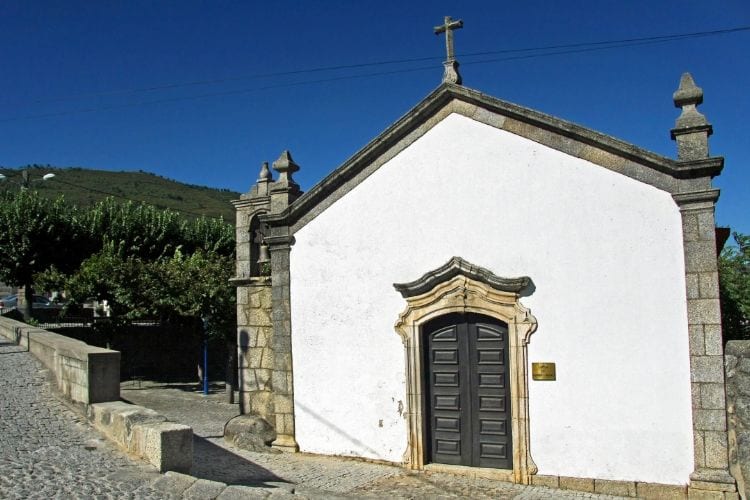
(438, 301)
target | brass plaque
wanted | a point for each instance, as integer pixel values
(543, 371)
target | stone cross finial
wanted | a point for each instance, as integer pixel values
(450, 75)
(691, 127)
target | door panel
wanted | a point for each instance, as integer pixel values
(467, 391)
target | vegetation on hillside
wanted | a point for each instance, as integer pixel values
(84, 188)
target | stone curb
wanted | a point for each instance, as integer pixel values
(143, 432)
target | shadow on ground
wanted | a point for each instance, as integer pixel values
(135, 384)
(219, 464)
(5, 343)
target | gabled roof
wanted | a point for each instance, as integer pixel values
(606, 151)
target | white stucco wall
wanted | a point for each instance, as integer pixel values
(604, 252)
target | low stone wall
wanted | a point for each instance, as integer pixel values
(145, 433)
(84, 374)
(165, 352)
(737, 364)
(89, 377)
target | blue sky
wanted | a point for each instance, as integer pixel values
(74, 74)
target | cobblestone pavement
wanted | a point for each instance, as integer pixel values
(49, 451)
(217, 464)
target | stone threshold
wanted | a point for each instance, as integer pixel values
(632, 489)
(637, 489)
(504, 475)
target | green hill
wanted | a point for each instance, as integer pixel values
(84, 187)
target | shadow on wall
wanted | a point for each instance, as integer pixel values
(244, 337)
(215, 463)
(242, 341)
(359, 444)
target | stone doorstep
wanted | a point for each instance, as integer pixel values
(142, 432)
(472, 472)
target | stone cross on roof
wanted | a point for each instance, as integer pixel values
(451, 74)
(447, 27)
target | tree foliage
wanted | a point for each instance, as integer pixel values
(121, 281)
(209, 235)
(198, 286)
(734, 274)
(131, 229)
(146, 262)
(36, 235)
(168, 288)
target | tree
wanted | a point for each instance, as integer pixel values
(145, 262)
(209, 235)
(36, 234)
(175, 289)
(734, 279)
(124, 282)
(133, 229)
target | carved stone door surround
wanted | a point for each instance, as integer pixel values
(461, 287)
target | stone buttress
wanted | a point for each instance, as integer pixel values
(263, 310)
(697, 199)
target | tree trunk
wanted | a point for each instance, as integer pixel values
(28, 294)
(199, 366)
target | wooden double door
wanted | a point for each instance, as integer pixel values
(467, 391)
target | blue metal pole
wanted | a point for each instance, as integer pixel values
(205, 357)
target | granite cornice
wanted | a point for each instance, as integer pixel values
(705, 167)
(417, 121)
(675, 168)
(278, 237)
(250, 280)
(250, 202)
(703, 127)
(707, 197)
(279, 219)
